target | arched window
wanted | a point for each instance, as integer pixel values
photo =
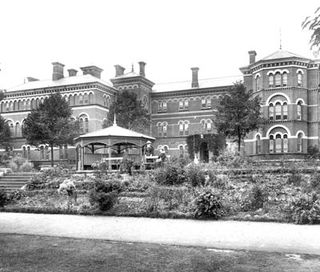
(84, 123)
(271, 144)
(285, 143)
(180, 105)
(257, 82)
(285, 111)
(203, 102)
(24, 152)
(186, 104)
(278, 79)
(80, 99)
(28, 152)
(90, 98)
(278, 111)
(208, 102)
(284, 79)
(11, 126)
(181, 128)
(258, 144)
(86, 99)
(299, 142)
(299, 110)
(41, 152)
(299, 77)
(278, 143)
(165, 129)
(17, 131)
(271, 112)
(160, 130)
(186, 128)
(209, 125)
(271, 80)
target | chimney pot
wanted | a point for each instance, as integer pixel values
(72, 72)
(252, 56)
(195, 81)
(92, 70)
(119, 70)
(142, 68)
(57, 70)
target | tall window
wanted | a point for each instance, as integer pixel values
(278, 143)
(80, 99)
(299, 142)
(159, 130)
(299, 79)
(285, 143)
(84, 123)
(278, 111)
(271, 112)
(278, 79)
(285, 111)
(203, 102)
(258, 144)
(271, 144)
(186, 104)
(284, 79)
(180, 105)
(86, 99)
(181, 128)
(164, 129)
(299, 110)
(271, 80)
(257, 82)
(209, 102)
(17, 131)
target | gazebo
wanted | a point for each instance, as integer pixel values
(109, 145)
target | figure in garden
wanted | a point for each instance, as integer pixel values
(69, 186)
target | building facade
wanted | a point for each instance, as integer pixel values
(288, 85)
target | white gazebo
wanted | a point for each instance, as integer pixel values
(109, 145)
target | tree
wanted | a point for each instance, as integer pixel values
(238, 113)
(5, 135)
(129, 111)
(313, 23)
(50, 124)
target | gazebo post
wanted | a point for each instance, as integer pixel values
(109, 151)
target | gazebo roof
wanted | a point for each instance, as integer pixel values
(115, 131)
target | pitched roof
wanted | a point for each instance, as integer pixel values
(203, 83)
(61, 82)
(282, 54)
(116, 131)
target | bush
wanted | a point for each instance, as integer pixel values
(208, 205)
(3, 198)
(26, 167)
(254, 198)
(220, 182)
(315, 181)
(195, 175)
(105, 194)
(304, 209)
(169, 175)
(13, 166)
(295, 177)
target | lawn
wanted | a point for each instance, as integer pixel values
(38, 253)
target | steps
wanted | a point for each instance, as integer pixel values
(14, 181)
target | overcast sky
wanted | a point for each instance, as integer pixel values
(169, 35)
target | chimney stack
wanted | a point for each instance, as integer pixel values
(92, 70)
(57, 70)
(195, 82)
(119, 70)
(252, 56)
(142, 68)
(72, 72)
(30, 79)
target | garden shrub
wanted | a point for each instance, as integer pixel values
(105, 194)
(208, 205)
(3, 198)
(315, 181)
(254, 198)
(26, 167)
(221, 182)
(13, 166)
(304, 209)
(295, 177)
(169, 175)
(195, 175)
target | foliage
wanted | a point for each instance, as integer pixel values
(313, 152)
(195, 175)
(126, 165)
(51, 123)
(294, 177)
(129, 111)
(100, 165)
(312, 23)
(26, 167)
(208, 205)
(315, 181)
(215, 143)
(169, 175)
(304, 209)
(3, 198)
(105, 194)
(238, 113)
(5, 135)
(254, 198)
(180, 161)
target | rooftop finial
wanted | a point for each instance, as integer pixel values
(114, 120)
(132, 68)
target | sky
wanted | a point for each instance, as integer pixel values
(171, 36)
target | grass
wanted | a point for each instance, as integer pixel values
(40, 253)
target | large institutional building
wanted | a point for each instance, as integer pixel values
(287, 83)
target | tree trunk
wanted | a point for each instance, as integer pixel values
(52, 161)
(239, 140)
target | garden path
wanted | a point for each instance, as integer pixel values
(273, 237)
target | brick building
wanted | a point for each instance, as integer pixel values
(287, 83)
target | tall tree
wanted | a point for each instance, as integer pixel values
(5, 135)
(312, 23)
(51, 124)
(130, 112)
(238, 113)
